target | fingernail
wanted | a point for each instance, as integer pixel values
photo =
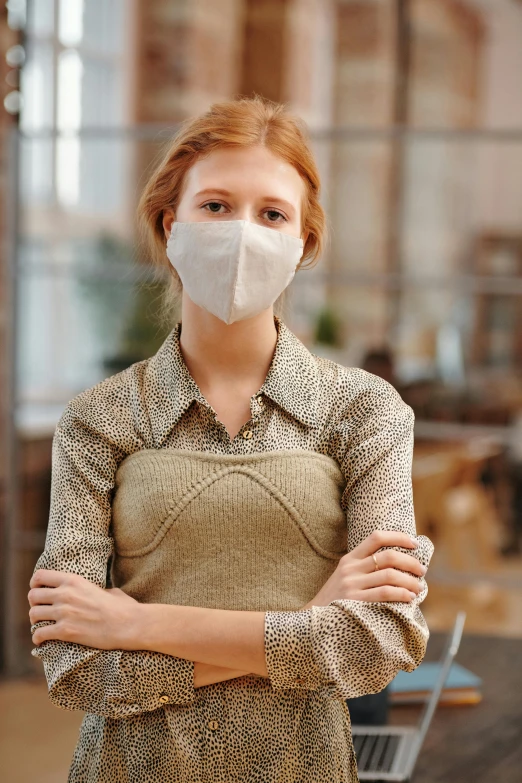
(414, 541)
(423, 569)
(413, 595)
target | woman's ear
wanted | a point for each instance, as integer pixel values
(168, 219)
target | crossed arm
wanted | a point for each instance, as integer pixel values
(222, 644)
(160, 652)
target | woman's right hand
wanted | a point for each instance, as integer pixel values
(355, 576)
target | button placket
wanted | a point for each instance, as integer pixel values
(257, 408)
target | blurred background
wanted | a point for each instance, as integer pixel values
(415, 113)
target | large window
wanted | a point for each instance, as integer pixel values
(75, 170)
(75, 79)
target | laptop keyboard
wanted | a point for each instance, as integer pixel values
(375, 752)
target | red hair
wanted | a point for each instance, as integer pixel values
(242, 122)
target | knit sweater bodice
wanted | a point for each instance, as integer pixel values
(256, 532)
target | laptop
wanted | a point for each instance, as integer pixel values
(390, 752)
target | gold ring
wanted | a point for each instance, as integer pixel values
(376, 564)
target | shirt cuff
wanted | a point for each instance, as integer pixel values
(163, 679)
(289, 653)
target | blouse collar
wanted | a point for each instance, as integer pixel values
(291, 382)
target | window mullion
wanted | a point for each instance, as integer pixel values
(56, 54)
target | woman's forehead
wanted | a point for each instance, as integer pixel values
(238, 169)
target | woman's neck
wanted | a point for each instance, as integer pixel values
(215, 352)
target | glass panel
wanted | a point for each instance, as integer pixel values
(37, 86)
(102, 96)
(104, 26)
(75, 295)
(40, 17)
(36, 162)
(69, 118)
(36, 171)
(42, 306)
(70, 72)
(16, 14)
(97, 25)
(70, 27)
(103, 176)
(83, 310)
(411, 224)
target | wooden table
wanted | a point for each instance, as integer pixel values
(480, 743)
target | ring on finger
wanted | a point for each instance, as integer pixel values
(376, 563)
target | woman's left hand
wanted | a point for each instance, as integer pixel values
(81, 611)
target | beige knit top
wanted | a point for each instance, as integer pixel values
(227, 531)
(150, 493)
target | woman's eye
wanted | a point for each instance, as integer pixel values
(271, 213)
(213, 204)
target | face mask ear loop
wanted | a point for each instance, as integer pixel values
(170, 239)
(241, 244)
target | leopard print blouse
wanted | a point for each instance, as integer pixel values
(145, 722)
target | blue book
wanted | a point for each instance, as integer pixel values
(462, 686)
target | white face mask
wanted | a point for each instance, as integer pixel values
(233, 268)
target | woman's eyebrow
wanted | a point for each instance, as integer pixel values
(212, 190)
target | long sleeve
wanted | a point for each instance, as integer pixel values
(89, 441)
(350, 648)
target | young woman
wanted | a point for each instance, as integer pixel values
(254, 500)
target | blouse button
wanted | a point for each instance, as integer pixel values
(260, 400)
(213, 724)
(164, 698)
(247, 434)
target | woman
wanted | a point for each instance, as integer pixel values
(255, 500)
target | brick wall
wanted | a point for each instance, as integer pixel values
(188, 54)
